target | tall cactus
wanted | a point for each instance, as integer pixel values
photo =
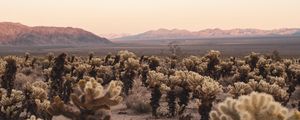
(9, 75)
(56, 76)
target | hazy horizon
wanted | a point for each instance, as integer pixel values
(136, 16)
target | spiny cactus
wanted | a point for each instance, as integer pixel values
(191, 63)
(155, 97)
(36, 99)
(50, 57)
(252, 60)
(153, 62)
(207, 92)
(90, 99)
(277, 69)
(263, 66)
(127, 76)
(11, 105)
(155, 80)
(68, 88)
(125, 55)
(57, 76)
(106, 73)
(213, 57)
(227, 68)
(184, 97)
(242, 74)
(144, 74)
(240, 88)
(171, 97)
(276, 56)
(226, 110)
(27, 55)
(91, 55)
(256, 106)
(9, 75)
(80, 70)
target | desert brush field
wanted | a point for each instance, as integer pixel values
(125, 86)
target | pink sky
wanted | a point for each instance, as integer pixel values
(135, 16)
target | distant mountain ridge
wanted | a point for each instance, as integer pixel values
(19, 34)
(165, 34)
(114, 35)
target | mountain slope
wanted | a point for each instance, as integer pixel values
(18, 34)
(165, 34)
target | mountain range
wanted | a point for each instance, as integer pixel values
(18, 34)
(177, 34)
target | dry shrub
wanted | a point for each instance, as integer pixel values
(27, 71)
(139, 98)
(22, 79)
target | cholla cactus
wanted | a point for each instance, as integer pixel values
(263, 66)
(280, 81)
(213, 57)
(155, 80)
(127, 77)
(132, 64)
(36, 99)
(9, 74)
(277, 69)
(207, 92)
(153, 62)
(107, 59)
(57, 76)
(144, 74)
(252, 60)
(106, 73)
(2, 66)
(204, 88)
(96, 62)
(278, 93)
(226, 111)
(227, 68)
(275, 55)
(187, 79)
(260, 106)
(124, 55)
(33, 117)
(243, 73)
(256, 106)
(68, 87)
(294, 115)
(91, 55)
(11, 105)
(90, 98)
(240, 88)
(293, 73)
(50, 56)
(27, 55)
(80, 70)
(191, 63)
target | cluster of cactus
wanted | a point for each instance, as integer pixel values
(90, 99)
(80, 87)
(255, 106)
(63, 84)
